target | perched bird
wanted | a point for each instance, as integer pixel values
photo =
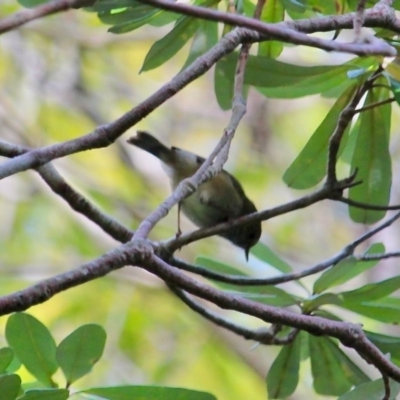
(218, 200)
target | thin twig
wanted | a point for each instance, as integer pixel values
(373, 105)
(264, 336)
(104, 135)
(386, 385)
(280, 31)
(350, 335)
(381, 256)
(326, 192)
(344, 120)
(322, 266)
(73, 198)
(367, 206)
(22, 17)
(215, 161)
(359, 18)
(183, 190)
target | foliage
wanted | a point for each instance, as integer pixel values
(352, 139)
(33, 345)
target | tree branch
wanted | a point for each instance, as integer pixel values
(322, 266)
(74, 199)
(326, 192)
(264, 336)
(21, 18)
(104, 135)
(286, 32)
(350, 335)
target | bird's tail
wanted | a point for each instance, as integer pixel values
(150, 144)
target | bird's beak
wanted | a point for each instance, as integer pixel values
(246, 253)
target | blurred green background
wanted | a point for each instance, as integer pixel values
(62, 76)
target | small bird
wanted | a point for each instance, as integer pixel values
(220, 199)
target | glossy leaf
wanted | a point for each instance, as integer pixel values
(283, 376)
(32, 3)
(6, 356)
(395, 87)
(10, 386)
(270, 295)
(273, 12)
(372, 291)
(223, 87)
(165, 48)
(204, 38)
(218, 266)
(372, 160)
(326, 314)
(347, 155)
(130, 19)
(282, 80)
(317, 301)
(346, 270)
(265, 254)
(109, 5)
(79, 351)
(33, 345)
(309, 168)
(333, 372)
(385, 310)
(45, 394)
(127, 15)
(393, 69)
(374, 390)
(148, 393)
(386, 344)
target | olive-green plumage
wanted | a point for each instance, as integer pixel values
(220, 199)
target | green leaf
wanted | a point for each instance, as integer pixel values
(395, 87)
(32, 3)
(223, 87)
(127, 15)
(317, 301)
(385, 310)
(309, 168)
(346, 269)
(372, 291)
(124, 15)
(271, 295)
(348, 152)
(164, 18)
(33, 345)
(283, 376)
(333, 372)
(9, 386)
(79, 351)
(6, 356)
(165, 48)
(372, 160)
(218, 266)
(326, 314)
(148, 393)
(205, 38)
(282, 80)
(295, 5)
(45, 394)
(386, 344)
(129, 20)
(265, 254)
(374, 390)
(273, 12)
(266, 294)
